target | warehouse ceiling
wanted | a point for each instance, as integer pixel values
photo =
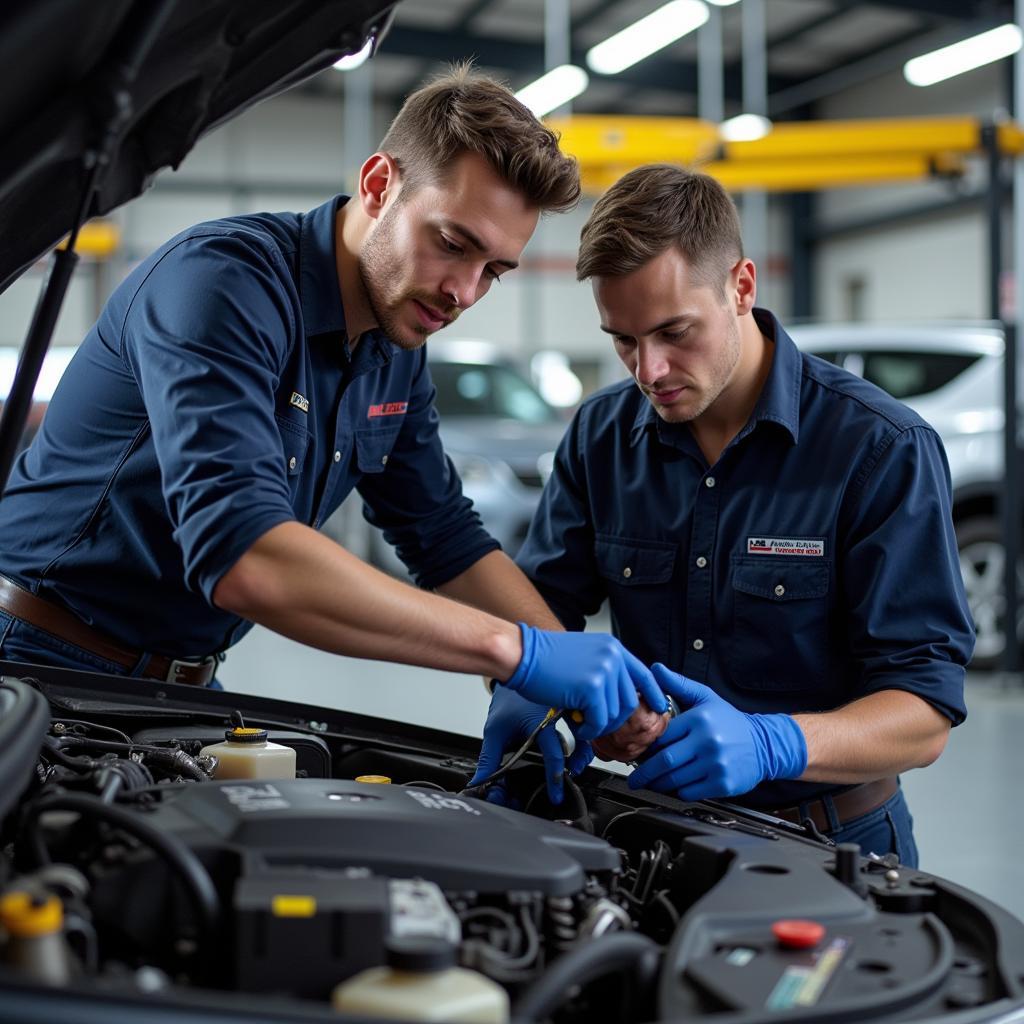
(815, 48)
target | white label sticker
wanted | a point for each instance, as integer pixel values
(252, 799)
(785, 546)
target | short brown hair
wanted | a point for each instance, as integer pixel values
(652, 208)
(462, 111)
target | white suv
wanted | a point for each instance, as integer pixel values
(952, 375)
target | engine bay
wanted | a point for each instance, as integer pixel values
(215, 894)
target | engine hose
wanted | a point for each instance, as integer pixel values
(185, 864)
(585, 963)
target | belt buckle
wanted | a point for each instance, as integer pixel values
(181, 668)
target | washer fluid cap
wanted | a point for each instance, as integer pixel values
(422, 954)
(795, 934)
(244, 734)
(28, 916)
(383, 780)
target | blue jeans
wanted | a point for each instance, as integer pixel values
(20, 641)
(886, 829)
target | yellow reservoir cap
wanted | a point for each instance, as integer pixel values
(293, 906)
(27, 916)
(382, 779)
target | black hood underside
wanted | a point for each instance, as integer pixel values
(164, 72)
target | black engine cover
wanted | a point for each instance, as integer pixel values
(398, 831)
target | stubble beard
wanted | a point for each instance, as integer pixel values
(378, 263)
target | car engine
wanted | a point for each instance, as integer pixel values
(175, 885)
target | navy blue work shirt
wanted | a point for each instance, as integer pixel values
(812, 564)
(214, 399)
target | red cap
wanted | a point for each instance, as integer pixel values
(798, 934)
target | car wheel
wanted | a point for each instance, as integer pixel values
(982, 560)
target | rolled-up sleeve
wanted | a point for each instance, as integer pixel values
(418, 502)
(205, 337)
(909, 622)
(558, 554)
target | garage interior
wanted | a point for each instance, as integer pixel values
(867, 202)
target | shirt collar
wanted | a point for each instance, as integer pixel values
(780, 397)
(319, 290)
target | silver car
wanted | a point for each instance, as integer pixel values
(498, 431)
(952, 375)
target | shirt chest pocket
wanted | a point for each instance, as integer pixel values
(780, 624)
(373, 448)
(294, 444)
(638, 580)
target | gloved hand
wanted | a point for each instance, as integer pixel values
(590, 672)
(510, 719)
(712, 749)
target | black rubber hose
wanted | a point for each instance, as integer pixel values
(583, 964)
(186, 865)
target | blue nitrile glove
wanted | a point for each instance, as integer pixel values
(713, 750)
(589, 672)
(510, 719)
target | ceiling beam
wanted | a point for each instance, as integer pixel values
(656, 72)
(954, 10)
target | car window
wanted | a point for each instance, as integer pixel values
(487, 390)
(909, 374)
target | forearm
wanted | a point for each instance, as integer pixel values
(299, 583)
(497, 585)
(882, 734)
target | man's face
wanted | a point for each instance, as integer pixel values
(433, 253)
(678, 337)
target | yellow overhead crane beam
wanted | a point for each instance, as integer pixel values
(793, 156)
(97, 238)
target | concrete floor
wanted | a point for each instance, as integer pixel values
(967, 807)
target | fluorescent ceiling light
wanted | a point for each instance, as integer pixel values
(354, 60)
(966, 55)
(744, 128)
(550, 91)
(647, 36)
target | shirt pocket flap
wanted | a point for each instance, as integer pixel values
(373, 448)
(631, 562)
(777, 582)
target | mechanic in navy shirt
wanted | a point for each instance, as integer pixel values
(771, 529)
(243, 379)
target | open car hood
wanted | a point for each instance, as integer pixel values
(191, 65)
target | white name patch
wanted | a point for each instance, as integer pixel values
(785, 546)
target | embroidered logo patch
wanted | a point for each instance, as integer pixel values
(299, 401)
(785, 546)
(387, 409)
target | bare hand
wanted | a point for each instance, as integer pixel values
(629, 741)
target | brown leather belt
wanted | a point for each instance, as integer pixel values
(849, 804)
(61, 624)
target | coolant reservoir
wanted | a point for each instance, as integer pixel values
(246, 754)
(34, 927)
(421, 982)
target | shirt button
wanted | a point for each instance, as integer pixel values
(701, 562)
(627, 572)
(384, 461)
(698, 644)
(709, 481)
(291, 462)
(337, 456)
(779, 590)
